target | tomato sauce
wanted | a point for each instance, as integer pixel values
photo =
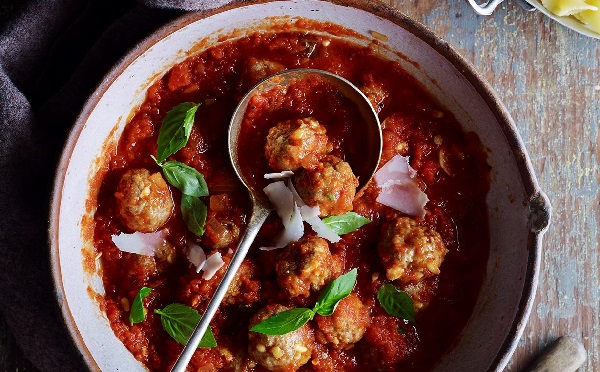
(451, 169)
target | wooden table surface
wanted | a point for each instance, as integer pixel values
(549, 79)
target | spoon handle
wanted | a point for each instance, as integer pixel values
(566, 354)
(259, 214)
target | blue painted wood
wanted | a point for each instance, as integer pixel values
(548, 77)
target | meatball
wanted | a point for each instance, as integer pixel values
(256, 70)
(410, 252)
(386, 344)
(331, 185)
(245, 287)
(421, 293)
(287, 352)
(375, 92)
(306, 264)
(294, 144)
(346, 326)
(139, 269)
(220, 234)
(144, 200)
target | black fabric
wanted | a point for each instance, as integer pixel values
(53, 53)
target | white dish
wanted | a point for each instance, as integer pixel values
(569, 22)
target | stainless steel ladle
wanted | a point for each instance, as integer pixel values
(260, 205)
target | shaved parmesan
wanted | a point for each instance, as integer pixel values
(269, 248)
(282, 199)
(310, 212)
(311, 215)
(293, 211)
(209, 266)
(144, 244)
(280, 175)
(291, 233)
(195, 254)
(295, 194)
(399, 190)
(213, 263)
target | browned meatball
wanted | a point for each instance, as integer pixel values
(287, 352)
(410, 252)
(256, 70)
(245, 287)
(331, 185)
(385, 345)
(294, 144)
(144, 200)
(375, 92)
(220, 234)
(421, 293)
(139, 269)
(306, 264)
(346, 325)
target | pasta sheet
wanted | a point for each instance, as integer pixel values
(586, 11)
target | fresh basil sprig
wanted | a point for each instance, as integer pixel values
(395, 302)
(194, 213)
(175, 130)
(345, 223)
(180, 321)
(172, 137)
(290, 320)
(284, 322)
(137, 313)
(185, 178)
(335, 292)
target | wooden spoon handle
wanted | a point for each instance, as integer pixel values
(566, 354)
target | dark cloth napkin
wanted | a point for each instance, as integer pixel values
(53, 53)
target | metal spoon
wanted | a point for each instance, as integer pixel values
(260, 205)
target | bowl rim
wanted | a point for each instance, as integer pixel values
(540, 209)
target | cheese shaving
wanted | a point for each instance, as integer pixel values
(195, 254)
(213, 263)
(399, 189)
(144, 244)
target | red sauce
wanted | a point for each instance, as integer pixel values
(414, 125)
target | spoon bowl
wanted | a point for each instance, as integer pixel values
(364, 168)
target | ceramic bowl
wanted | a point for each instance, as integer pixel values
(518, 211)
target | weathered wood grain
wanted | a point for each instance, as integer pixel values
(549, 79)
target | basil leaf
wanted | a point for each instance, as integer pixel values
(185, 178)
(335, 292)
(137, 313)
(180, 321)
(396, 303)
(175, 130)
(284, 322)
(194, 213)
(345, 223)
